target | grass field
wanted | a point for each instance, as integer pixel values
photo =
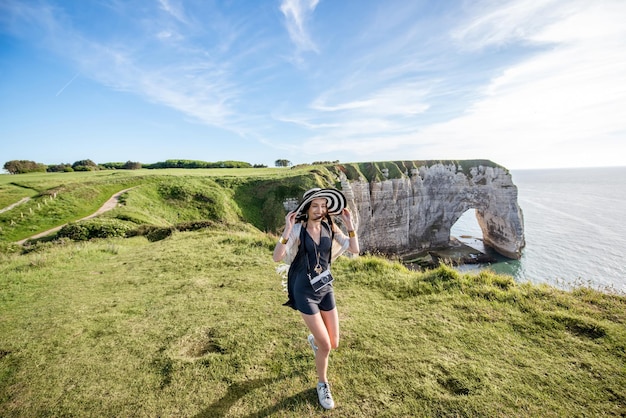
(58, 198)
(191, 325)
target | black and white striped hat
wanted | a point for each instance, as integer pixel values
(336, 200)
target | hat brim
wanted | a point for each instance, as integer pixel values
(336, 201)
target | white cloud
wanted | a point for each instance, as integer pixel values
(407, 99)
(555, 107)
(507, 22)
(296, 13)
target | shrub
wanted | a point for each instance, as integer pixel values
(75, 231)
(159, 233)
(152, 232)
(84, 165)
(24, 166)
(60, 168)
(195, 225)
(94, 228)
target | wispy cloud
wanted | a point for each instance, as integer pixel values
(175, 9)
(407, 99)
(296, 13)
(507, 22)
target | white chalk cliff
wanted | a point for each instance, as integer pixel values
(415, 211)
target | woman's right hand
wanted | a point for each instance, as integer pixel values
(280, 250)
(290, 221)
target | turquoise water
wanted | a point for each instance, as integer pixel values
(574, 225)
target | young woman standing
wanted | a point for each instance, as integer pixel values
(309, 243)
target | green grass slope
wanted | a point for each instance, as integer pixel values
(185, 194)
(192, 325)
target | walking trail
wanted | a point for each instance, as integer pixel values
(22, 200)
(108, 205)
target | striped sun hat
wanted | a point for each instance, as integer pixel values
(336, 200)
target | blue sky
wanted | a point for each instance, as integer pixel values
(525, 83)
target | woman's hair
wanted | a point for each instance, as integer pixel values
(304, 213)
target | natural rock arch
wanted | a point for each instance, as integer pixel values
(415, 212)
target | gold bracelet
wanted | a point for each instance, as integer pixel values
(283, 240)
(351, 234)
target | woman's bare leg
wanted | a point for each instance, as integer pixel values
(331, 321)
(325, 329)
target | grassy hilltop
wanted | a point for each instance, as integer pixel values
(177, 312)
(167, 197)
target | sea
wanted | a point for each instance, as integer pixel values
(574, 227)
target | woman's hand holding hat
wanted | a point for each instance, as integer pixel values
(290, 220)
(346, 216)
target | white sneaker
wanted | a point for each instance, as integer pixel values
(323, 393)
(312, 343)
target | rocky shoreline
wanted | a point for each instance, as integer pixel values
(457, 253)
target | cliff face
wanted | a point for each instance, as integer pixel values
(415, 211)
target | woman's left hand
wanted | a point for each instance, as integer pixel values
(346, 216)
(347, 221)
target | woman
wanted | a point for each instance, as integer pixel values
(309, 243)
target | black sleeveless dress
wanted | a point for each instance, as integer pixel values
(301, 294)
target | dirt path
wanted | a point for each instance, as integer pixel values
(108, 205)
(22, 200)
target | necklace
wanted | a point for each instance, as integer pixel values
(318, 268)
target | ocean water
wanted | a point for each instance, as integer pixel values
(574, 226)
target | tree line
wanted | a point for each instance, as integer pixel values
(287, 163)
(26, 166)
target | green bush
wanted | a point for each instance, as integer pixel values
(195, 225)
(152, 232)
(94, 228)
(157, 233)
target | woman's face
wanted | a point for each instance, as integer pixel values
(318, 209)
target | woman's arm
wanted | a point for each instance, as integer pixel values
(281, 246)
(354, 247)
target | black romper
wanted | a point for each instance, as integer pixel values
(302, 296)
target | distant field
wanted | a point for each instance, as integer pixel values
(48, 180)
(58, 198)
